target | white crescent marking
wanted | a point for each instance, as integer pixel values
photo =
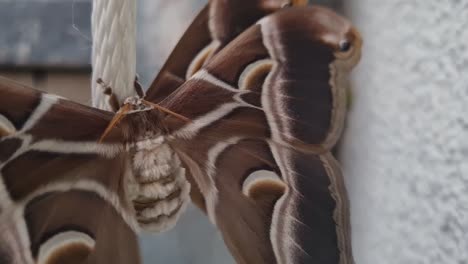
(6, 125)
(212, 194)
(61, 240)
(258, 177)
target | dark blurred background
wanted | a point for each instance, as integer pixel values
(405, 149)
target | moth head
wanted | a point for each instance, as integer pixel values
(136, 104)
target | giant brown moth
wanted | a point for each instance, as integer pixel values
(253, 98)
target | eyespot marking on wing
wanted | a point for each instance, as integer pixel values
(254, 74)
(6, 127)
(263, 182)
(66, 247)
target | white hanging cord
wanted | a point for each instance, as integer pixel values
(114, 50)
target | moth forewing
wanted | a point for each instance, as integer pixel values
(217, 24)
(53, 152)
(266, 111)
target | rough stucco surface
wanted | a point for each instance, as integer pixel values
(405, 153)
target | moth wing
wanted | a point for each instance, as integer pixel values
(214, 27)
(62, 195)
(266, 111)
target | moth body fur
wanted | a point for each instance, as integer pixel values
(161, 190)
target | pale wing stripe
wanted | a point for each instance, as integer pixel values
(204, 75)
(64, 147)
(47, 101)
(70, 147)
(269, 108)
(215, 151)
(5, 199)
(266, 28)
(339, 106)
(341, 213)
(25, 144)
(213, 154)
(267, 91)
(191, 129)
(276, 51)
(269, 95)
(16, 235)
(55, 147)
(90, 186)
(282, 207)
(277, 229)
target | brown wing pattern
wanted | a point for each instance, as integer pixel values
(62, 195)
(266, 111)
(214, 27)
(266, 108)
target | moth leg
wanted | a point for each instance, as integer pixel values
(138, 87)
(113, 101)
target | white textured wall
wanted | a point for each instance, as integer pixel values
(405, 153)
